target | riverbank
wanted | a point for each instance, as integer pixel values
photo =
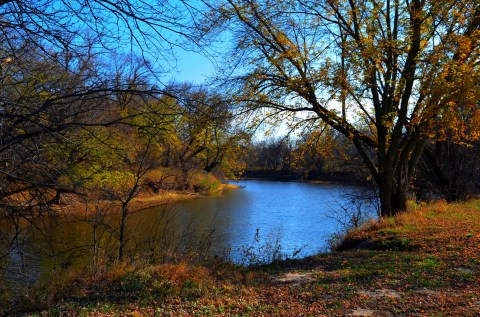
(146, 199)
(155, 199)
(425, 262)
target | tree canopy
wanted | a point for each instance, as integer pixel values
(387, 74)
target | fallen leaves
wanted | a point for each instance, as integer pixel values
(441, 276)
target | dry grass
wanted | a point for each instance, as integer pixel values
(424, 218)
(150, 200)
(427, 263)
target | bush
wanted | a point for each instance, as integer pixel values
(204, 182)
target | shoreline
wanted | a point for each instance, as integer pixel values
(307, 181)
(142, 201)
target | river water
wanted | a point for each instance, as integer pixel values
(264, 219)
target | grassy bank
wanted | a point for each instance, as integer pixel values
(200, 185)
(148, 199)
(422, 263)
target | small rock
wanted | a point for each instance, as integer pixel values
(381, 293)
(426, 291)
(362, 312)
(463, 270)
(295, 278)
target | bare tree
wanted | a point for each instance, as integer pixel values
(150, 27)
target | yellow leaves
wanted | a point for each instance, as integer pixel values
(453, 104)
(388, 119)
(284, 41)
(464, 47)
(319, 144)
(113, 180)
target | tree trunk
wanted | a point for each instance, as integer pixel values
(394, 182)
(393, 196)
(121, 236)
(184, 174)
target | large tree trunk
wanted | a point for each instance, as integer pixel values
(394, 182)
(392, 194)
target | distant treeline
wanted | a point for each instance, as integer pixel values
(317, 155)
(447, 169)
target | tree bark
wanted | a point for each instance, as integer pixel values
(393, 194)
(121, 236)
(396, 176)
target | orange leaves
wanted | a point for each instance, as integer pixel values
(454, 103)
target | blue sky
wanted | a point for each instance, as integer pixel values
(191, 67)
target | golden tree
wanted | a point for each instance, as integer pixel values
(387, 74)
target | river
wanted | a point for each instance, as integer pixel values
(263, 220)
